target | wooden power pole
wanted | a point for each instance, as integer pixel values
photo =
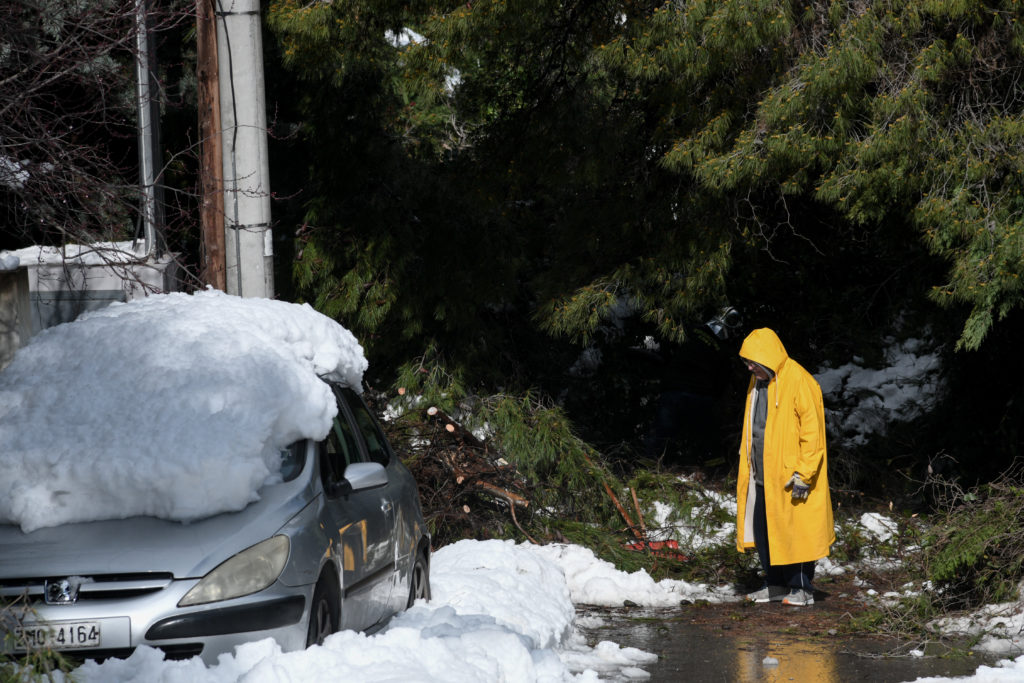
(211, 174)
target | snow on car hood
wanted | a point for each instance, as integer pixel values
(174, 406)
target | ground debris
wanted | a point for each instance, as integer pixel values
(468, 489)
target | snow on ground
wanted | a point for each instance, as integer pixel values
(1008, 670)
(500, 611)
(697, 531)
(1000, 626)
(593, 581)
(878, 526)
(174, 406)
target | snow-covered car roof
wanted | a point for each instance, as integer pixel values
(174, 406)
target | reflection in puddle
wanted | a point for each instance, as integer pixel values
(696, 653)
(786, 662)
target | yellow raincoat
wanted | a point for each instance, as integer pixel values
(794, 441)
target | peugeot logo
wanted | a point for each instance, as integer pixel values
(60, 592)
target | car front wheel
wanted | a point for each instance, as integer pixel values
(323, 616)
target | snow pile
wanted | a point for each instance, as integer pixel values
(543, 613)
(499, 612)
(174, 406)
(1000, 626)
(9, 261)
(827, 567)
(593, 581)
(878, 526)
(863, 401)
(882, 532)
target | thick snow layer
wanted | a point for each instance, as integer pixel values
(593, 581)
(173, 406)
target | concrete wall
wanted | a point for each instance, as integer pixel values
(43, 292)
(60, 292)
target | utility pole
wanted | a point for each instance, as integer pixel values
(211, 169)
(249, 247)
(150, 159)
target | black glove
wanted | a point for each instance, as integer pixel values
(800, 489)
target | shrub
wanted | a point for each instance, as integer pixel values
(975, 550)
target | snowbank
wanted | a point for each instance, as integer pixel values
(593, 581)
(499, 612)
(174, 406)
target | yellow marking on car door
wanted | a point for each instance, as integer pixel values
(349, 557)
(349, 561)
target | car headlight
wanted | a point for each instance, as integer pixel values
(249, 571)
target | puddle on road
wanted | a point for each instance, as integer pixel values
(689, 652)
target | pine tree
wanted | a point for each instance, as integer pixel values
(524, 175)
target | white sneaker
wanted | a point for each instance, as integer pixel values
(768, 594)
(798, 597)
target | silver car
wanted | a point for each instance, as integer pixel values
(339, 544)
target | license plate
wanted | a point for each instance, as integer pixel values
(58, 635)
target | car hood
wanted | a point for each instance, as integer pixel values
(147, 544)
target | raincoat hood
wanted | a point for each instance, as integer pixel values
(764, 347)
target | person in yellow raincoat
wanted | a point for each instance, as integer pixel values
(783, 509)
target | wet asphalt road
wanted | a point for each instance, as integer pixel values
(689, 652)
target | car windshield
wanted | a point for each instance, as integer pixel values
(293, 459)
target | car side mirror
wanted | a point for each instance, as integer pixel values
(362, 475)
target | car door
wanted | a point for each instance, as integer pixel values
(379, 451)
(361, 521)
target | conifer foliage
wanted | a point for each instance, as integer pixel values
(572, 161)
(502, 181)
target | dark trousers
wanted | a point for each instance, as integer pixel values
(799, 575)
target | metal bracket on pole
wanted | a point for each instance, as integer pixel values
(247, 227)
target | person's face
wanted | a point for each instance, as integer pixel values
(758, 371)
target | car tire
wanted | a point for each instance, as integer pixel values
(419, 580)
(323, 613)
